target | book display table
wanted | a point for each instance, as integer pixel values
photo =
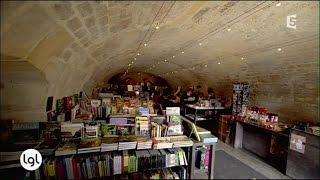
(196, 115)
(270, 145)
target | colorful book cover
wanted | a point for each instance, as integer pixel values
(125, 129)
(108, 129)
(67, 103)
(87, 143)
(59, 106)
(75, 99)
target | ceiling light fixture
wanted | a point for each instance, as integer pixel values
(278, 4)
(242, 58)
(279, 49)
(145, 44)
(229, 29)
(138, 54)
(205, 65)
(200, 44)
(219, 63)
(182, 52)
(173, 56)
(165, 60)
(157, 27)
(129, 64)
(132, 62)
(135, 58)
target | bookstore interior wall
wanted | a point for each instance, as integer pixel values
(60, 48)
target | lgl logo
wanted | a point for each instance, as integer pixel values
(30, 159)
(291, 21)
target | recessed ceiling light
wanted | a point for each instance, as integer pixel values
(219, 63)
(229, 29)
(172, 72)
(242, 58)
(165, 60)
(279, 49)
(182, 52)
(129, 64)
(138, 54)
(157, 27)
(132, 62)
(205, 65)
(145, 44)
(135, 58)
(278, 4)
(200, 44)
(173, 56)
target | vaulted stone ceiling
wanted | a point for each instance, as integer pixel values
(77, 45)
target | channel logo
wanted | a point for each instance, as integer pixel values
(30, 159)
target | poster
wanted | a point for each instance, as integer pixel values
(297, 143)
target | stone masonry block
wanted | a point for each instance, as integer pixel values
(103, 21)
(85, 9)
(66, 55)
(101, 11)
(63, 10)
(94, 30)
(74, 24)
(81, 33)
(90, 22)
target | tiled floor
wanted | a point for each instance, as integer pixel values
(250, 160)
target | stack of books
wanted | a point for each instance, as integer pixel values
(142, 126)
(158, 130)
(144, 143)
(66, 148)
(161, 143)
(48, 147)
(180, 141)
(143, 111)
(89, 145)
(109, 144)
(127, 142)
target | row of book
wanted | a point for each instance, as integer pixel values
(113, 163)
(121, 143)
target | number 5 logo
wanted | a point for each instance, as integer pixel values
(291, 21)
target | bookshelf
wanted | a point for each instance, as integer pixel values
(193, 169)
(71, 162)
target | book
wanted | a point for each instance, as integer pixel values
(47, 147)
(90, 132)
(208, 138)
(108, 130)
(66, 148)
(67, 103)
(89, 145)
(50, 130)
(201, 130)
(59, 106)
(125, 129)
(71, 131)
(49, 103)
